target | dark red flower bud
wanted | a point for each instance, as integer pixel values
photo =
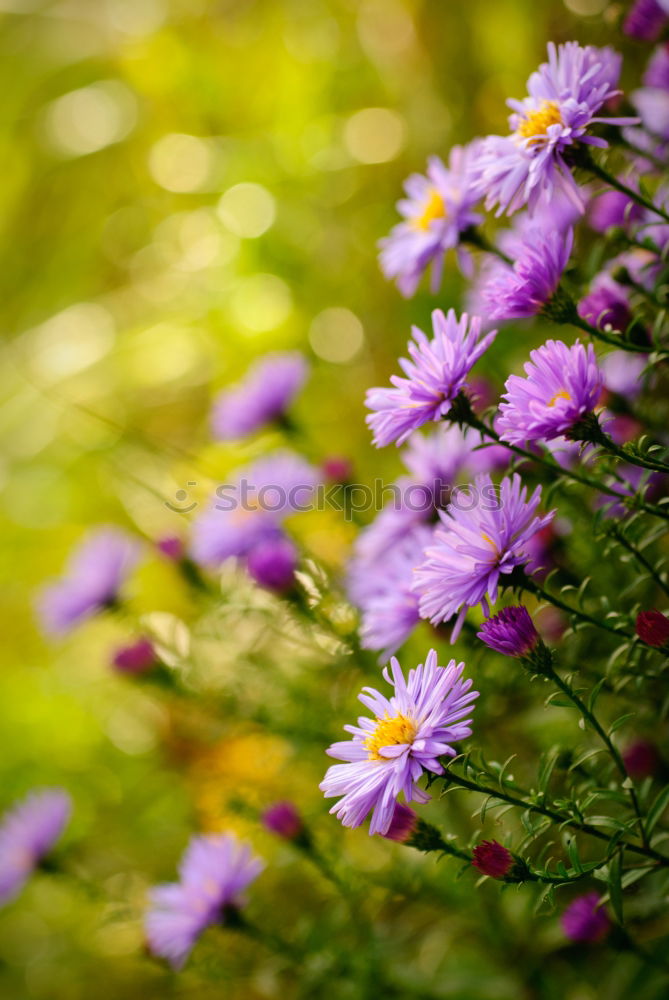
(491, 858)
(653, 628)
(641, 759)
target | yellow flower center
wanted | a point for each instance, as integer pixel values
(433, 208)
(488, 539)
(536, 123)
(389, 732)
(561, 394)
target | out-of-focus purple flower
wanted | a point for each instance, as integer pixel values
(272, 563)
(263, 395)
(93, 578)
(250, 511)
(585, 919)
(565, 95)
(510, 632)
(622, 373)
(476, 546)
(402, 825)
(526, 288)
(438, 209)
(492, 859)
(613, 208)
(645, 20)
(630, 480)
(136, 657)
(172, 547)
(407, 736)
(657, 70)
(28, 831)
(653, 628)
(379, 582)
(284, 820)
(435, 460)
(562, 385)
(641, 759)
(214, 872)
(652, 103)
(607, 304)
(436, 374)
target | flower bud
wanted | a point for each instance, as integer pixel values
(135, 658)
(585, 920)
(493, 859)
(284, 820)
(653, 628)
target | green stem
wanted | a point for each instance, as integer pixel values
(590, 717)
(608, 338)
(598, 171)
(620, 537)
(465, 415)
(477, 239)
(532, 587)
(552, 814)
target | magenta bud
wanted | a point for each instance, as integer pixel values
(171, 547)
(284, 820)
(493, 859)
(135, 658)
(402, 825)
(337, 469)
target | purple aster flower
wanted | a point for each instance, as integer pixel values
(652, 103)
(409, 733)
(607, 304)
(657, 70)
(402, 825)
(435, 460)
(389, 606)
(28, 831)
(526, 288)
(474, 546)
(438, 209)
(250, 511)
(214, 872)
(585, 919)
(272, 563)
(436, 374)
(622, 373)
(94, 575)
(565, 95)
(562, 385)
(510, 632)
(284, 820)
(262, 396)
(136, 657)
(372, 547)
(645, 20)
(613, 208)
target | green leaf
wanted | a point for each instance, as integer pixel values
(572, 851)
(620, 722)
(656, 810)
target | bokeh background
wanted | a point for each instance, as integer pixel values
(185, 185)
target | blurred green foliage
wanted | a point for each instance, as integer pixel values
(186, 184)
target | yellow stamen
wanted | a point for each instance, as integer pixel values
(433, 208)
(488, 539)
(389, 732)
(561, 394)
(536, 123)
